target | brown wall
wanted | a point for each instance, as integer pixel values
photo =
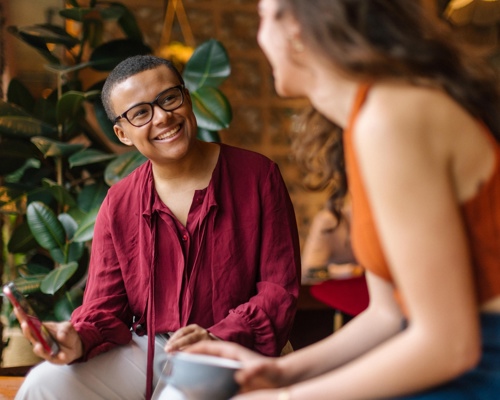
(261, 121)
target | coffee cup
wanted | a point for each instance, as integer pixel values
(199, 376)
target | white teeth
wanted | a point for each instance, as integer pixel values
(169, 134)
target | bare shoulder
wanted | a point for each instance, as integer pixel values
(410, 117)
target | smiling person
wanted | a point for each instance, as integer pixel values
(412, 121)
(198, 243)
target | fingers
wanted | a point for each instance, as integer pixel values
(186, 336)
(224, 349)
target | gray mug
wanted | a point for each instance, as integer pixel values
(199, 376)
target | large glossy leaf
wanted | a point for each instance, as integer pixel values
(208, 136)
(80, 14)
(54, 148)
(67, 304)
(18, 93)
(75, 251)
(128, 23)
(89, 156)
(34, 40)
(30, 284)
(208, 66)
(85, 230)
(25, 127)
(12, 201)
(21, 239)
(92, 196)
(58, 277)
(59, 193)
(110, 54)
(122, 166)
(45, 226)
(104, 122)
(13, 155)
(212, 109)
(69, 106)
(11, 109)
(69, 224)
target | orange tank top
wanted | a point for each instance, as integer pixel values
(481, 215)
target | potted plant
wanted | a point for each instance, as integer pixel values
(55, 167)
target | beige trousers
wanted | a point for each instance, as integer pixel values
(119, 374)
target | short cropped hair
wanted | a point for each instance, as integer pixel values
(127, 68)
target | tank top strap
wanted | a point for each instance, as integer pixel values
(359, 100)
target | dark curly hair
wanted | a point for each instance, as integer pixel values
(384, 39)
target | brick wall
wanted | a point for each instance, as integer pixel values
(261, 120)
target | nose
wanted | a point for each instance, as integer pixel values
(159, 114)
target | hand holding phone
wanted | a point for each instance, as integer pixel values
(24, 309)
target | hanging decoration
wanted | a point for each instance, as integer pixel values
(178, 52)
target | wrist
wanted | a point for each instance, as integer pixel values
(284, 394)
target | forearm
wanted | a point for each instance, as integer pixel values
(361, 334)
(410, 362)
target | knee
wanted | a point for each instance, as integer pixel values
(37, 381)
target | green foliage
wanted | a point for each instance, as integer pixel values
(53, 182)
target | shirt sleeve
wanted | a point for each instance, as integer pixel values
(265, 321)
(100, 319)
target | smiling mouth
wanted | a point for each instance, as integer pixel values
(169, 134)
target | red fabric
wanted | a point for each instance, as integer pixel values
(347, 295)
(233, 270)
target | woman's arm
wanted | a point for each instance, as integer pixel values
(403, 149)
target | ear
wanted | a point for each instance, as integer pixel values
(120, 134)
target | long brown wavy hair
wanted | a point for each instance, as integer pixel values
(383, 39)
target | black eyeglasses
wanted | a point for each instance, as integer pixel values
(168, 100)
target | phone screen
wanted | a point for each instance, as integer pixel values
(39, 331)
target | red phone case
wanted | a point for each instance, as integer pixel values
(40, 332)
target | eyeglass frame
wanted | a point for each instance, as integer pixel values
(181, 88)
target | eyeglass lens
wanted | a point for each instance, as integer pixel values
(169, 100)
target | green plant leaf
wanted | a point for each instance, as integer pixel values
(45, 226)
(13, 155)
(92, 196)
(122, 166)
(54, 148)
(69, 224)
(104, 122)
(35, 41)
(58, 277)
(85, 230)
(212, 109)
(67, 304)
(59, 193)
(25, 127)
(208, 136)
(12, 110)
(12, 201)
(30, 284)
(110, 54)
(53, 34)
(80, 14)
(208, 66)
(75, 251)
(19, 94)
(21, 240)
(69, 106)
(128, 23)
(89, 156)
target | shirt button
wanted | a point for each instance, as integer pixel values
(184, 238)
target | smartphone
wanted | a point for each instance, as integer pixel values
(24, 308)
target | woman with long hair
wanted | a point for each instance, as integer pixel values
(407, 123)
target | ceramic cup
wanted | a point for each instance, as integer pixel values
(199, 376)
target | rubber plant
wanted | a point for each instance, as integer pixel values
(55, 168)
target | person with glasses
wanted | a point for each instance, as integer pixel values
(198, 243)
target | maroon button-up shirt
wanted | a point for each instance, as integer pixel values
(233, 269)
